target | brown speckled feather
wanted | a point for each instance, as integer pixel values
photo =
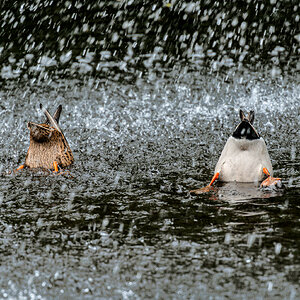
(48, 144)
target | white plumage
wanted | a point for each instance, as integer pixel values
(243, 160)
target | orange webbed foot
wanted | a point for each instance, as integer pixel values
(19, 168)
(270, 181)
(206, 189)
(56, 171)
(203, 190)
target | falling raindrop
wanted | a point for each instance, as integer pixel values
(278, 247)
(227, 238)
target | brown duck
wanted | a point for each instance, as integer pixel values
(48, 146)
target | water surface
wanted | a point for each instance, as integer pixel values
(125, 226)
(150, 94)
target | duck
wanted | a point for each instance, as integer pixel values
(244, 158)
(48, 147)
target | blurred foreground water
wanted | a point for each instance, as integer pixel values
(143, 135)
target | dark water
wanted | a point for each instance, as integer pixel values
(125, 226)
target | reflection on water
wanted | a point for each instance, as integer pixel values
(237, 192)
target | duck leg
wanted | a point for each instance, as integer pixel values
(20, 168)
(55, 166)
(206, 188)
(270, 181)
(56, 170)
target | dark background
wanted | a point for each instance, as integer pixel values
(251, 33)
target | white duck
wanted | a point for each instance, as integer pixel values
(245, 157)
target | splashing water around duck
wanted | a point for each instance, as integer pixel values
(245, 157)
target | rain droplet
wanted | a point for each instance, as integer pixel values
(63, 187)
(293, 152)
(49, 194)
(227, 238)
(278, 247)
(270, 286)
(121, 227)
(251, 240)
(105, 222)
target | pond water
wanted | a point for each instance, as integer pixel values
(123, 225)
